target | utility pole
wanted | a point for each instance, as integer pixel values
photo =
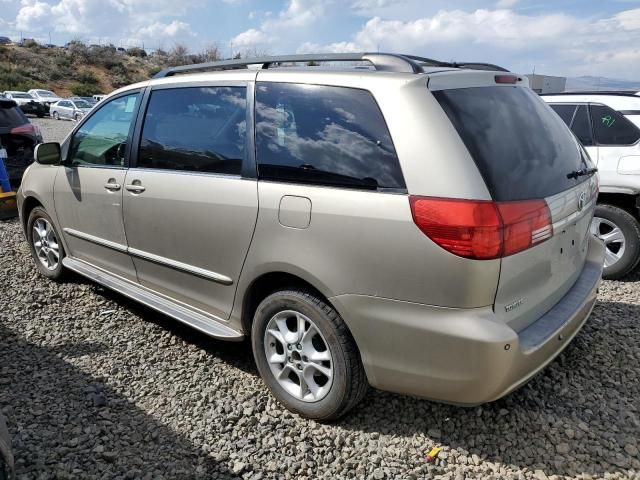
(50, 37)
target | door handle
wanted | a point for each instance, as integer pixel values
(112, 186)
(135, 188)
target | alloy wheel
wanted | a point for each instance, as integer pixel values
(45, 244)
(298, 356)
(612, 237)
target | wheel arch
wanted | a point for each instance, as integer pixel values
(626, 201)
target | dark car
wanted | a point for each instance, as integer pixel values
(27, 103)
(19, 137)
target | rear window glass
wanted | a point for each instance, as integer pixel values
(612, 128)
(582, 127)
(324, 135)
(11, 116)
(521, 148)
(565, 112)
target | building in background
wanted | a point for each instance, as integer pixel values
(546, 83)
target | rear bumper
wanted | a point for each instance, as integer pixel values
(463, 356)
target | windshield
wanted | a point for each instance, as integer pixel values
(522, 149)
(82, 104)
(46, 93)
(20, 95)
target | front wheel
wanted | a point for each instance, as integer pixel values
(306, 355)
(45, 244)
(55, 116)
(620, 232)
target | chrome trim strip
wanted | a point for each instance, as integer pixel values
(184, 267)
(200, 272)
(100, 241)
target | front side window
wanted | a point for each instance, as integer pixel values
(199, 129)
(102, 139)
(612, 128)
(324, 135)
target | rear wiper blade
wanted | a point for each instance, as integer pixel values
(582, 173)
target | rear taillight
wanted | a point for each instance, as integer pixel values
(482, 229)
(26, 128)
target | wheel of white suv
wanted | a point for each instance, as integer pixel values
(56, 116)
(306, 355)
(620, 232)
(45, 244)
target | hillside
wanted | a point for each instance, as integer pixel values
(600, 83)
(76, 70)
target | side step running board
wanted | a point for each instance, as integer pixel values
(203, 323)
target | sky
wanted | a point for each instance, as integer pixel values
(554, 37)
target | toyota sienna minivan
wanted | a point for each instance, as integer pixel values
(416, 226)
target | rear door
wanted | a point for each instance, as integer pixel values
(525, 152)
(190, 202)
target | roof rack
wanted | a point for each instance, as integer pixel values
(381, 61)
(469, 65)
(620, 93)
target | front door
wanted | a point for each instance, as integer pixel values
(189, 214)
(88, 191)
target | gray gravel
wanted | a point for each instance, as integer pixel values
(95, 386)
(53, 130)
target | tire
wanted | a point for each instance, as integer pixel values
(55, 116)
(45, 252)
(620, 232)
(326, 336)
(40, 114)
(76, 117)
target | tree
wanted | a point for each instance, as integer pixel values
(178, 55)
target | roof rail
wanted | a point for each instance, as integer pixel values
(620, 93)
(388, 62)
(469, 65)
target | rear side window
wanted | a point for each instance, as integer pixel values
(324, 135)
(522, 150)
(612, 128)
(565, 112)
(581, 126)
(199, 129)
(11, 116)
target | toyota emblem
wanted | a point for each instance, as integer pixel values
(581, 200)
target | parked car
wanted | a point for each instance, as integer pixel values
(424, 230)
(98, 97)
(46, 97)
(90, 100)
(608, 125)
(26, 102)
(18, 137)
(70, 109)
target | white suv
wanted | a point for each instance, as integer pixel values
(608, 125)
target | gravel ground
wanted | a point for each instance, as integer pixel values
(96, 386)
(53, 130)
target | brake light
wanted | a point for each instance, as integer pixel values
(482, 229)
(510, 79)
(26, 128)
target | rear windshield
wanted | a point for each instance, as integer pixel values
(11, 116)
(522, 149)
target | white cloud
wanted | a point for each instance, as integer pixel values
(555, 43)
(107, 20)
(250, 38)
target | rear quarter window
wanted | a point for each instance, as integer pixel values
(324, 135)
(612, 128)
(521, 148)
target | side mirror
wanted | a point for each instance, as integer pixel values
(48, 153)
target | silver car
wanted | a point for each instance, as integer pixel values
(70, 109)
(418, 227)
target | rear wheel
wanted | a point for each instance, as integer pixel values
(45, 244)
(620, 232)
(306, 355)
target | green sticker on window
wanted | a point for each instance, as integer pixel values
(608, 120)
